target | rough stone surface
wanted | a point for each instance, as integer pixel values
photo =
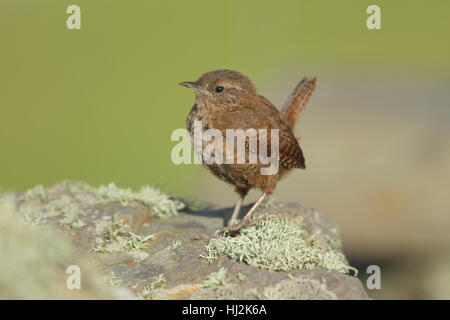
(167, 263)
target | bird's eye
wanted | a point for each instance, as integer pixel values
(219, 89)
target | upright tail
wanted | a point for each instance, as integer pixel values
(297, 100)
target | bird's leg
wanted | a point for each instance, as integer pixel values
(231, 222)
(253, 209)
(233, 229)
(237, 208)
(245, 222)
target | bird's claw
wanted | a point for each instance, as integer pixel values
(231, 230)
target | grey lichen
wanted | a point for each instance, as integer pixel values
(37, 192)
(119, 237)
(40, 204)
(161, 204)
(78, 224)
(112, 279)
(116, 228)
(277, 244)
(217, 279)
(175, 244)
(241, 277)
(133, 241)
(67, 208)
(157, 285)
(298, 288)
(30, 217)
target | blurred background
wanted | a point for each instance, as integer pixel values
(99, 104)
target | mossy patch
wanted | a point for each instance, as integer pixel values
(278, 244)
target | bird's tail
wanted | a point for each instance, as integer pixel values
(297, 100)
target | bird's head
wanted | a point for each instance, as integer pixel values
(223, 88)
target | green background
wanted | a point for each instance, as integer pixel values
(99, 104)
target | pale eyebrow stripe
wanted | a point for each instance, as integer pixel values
(228, 85)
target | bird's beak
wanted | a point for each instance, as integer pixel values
(190, 84)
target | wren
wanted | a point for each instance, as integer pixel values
(227, 99)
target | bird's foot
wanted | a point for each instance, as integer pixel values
(233, 229)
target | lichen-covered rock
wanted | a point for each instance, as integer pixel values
(142, 241)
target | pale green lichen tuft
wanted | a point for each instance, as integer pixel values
(112, 280)
(119, 232)
(67, 208)
(134, 241)
(37, 192)
(113, 193)
(102, 246)
(30, 217)
(116, 229)
(270, 294)
(158, 283)
(296, 288)
(216, 279)
(277, 244)
(78, 224)
(161, 204)
(241, 277)
(175, 244)
(49, 206)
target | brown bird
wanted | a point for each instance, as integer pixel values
(226, 99)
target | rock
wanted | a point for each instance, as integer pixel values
(142, 241)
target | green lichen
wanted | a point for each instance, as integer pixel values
(37, 192)
(49, 205)
(102, 246)
(113, 193)
(67, 208)
(116, 229)
(30, 217)
(119, 233)
(277, 244)
(241, 277)
(217, 279)
(78, 224)
(135, 242)
(296, 288)
(161, 204)
(157, 285)
(175, 244)
(112, 280)
(270, 294)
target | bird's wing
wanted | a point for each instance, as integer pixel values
(290, 153)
